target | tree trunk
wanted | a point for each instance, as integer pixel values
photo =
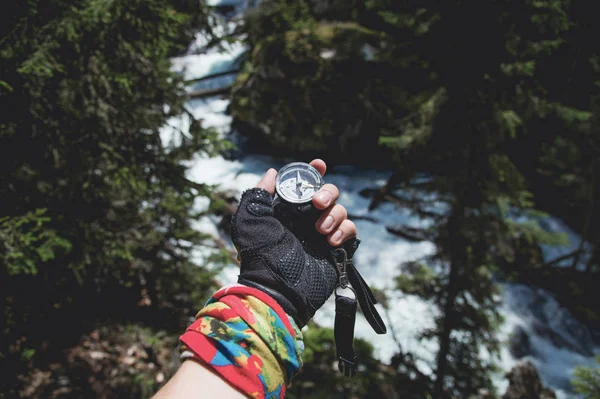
(456, 264)
(457, 248)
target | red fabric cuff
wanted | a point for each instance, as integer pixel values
(239, 289)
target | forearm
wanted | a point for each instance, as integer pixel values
(194, 380)
(243, 335)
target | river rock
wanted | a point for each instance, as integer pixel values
(524, 383)
(519, 344)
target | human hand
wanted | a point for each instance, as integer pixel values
(291, 261)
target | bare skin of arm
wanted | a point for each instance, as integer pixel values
(194, 380)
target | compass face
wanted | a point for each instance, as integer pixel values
(297, 182)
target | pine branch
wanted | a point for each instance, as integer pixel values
(410, 233)
(575, 253)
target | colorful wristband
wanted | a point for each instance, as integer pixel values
(247, 338)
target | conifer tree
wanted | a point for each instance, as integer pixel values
(96, 209)
(452, 88)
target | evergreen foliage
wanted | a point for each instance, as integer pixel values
(488, 110)
(587, 382)
(308, 87)
(96, 208)
(487, 100)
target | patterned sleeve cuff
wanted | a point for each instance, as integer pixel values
(247, 338)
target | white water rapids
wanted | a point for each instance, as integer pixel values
(556, 341)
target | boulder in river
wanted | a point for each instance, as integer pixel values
(525, 384)
(519, 344)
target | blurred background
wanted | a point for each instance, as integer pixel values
(464, 137)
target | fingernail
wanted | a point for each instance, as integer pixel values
(324, 197)
(327, 223)
(337, 236)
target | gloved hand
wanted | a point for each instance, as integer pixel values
(288, 257)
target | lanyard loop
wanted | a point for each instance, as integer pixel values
(345, 309)
(345, 317)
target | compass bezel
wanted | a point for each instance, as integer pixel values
(303, 167)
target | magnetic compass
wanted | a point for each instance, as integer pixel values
(297, 182)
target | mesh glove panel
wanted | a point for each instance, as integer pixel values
(283, 255)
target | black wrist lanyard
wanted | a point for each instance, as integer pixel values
(345, 311)
(349, 279)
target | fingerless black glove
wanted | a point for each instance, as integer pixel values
(283, 255)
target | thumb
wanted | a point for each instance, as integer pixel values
(268, 181)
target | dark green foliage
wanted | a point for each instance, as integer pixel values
(587, 382)
(320, 377)
(96, 209)
(489, 100)
(28, 243)
(485, 70)
(310, 85)
(495, 102)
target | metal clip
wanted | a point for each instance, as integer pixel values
(341, 266)
(347, 367)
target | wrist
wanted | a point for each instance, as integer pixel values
(290, 307)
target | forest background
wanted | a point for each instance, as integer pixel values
(489, 111)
